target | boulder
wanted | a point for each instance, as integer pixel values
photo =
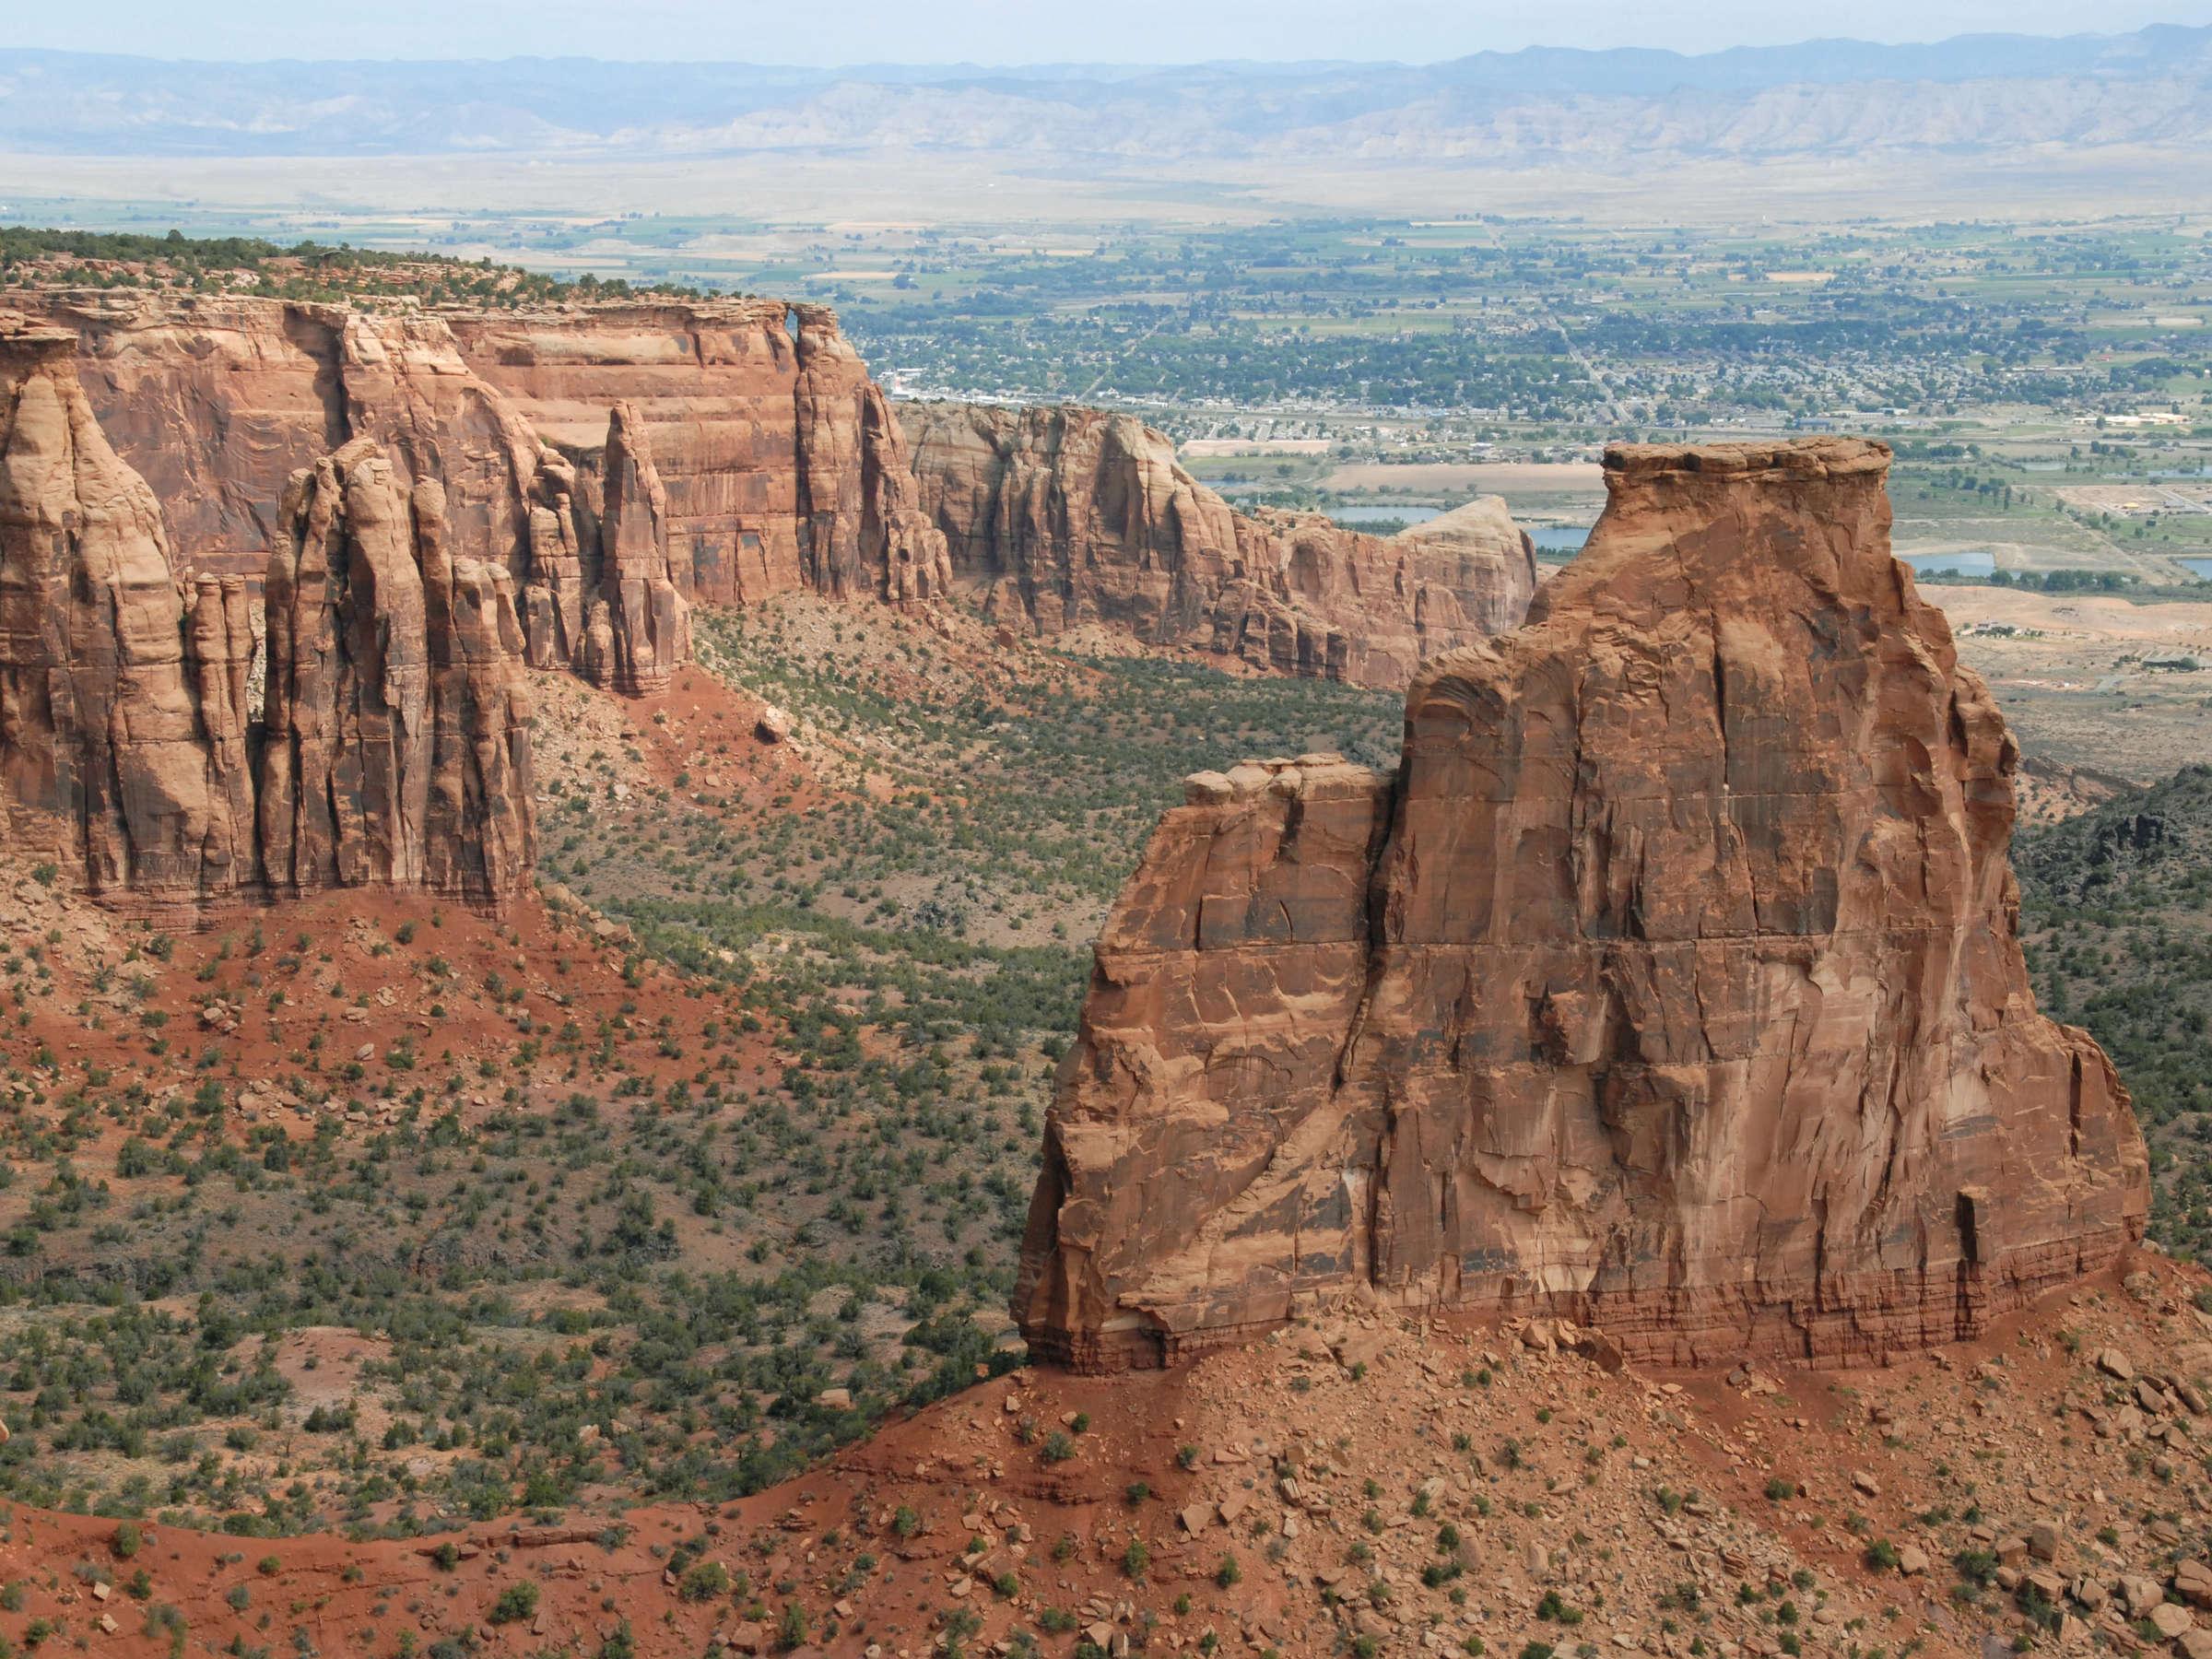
(2193, 1584)
(2140, 1595)
(2169, 1619)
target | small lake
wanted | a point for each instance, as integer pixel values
(2199, 567)
(1559, 538)
(1951, 564)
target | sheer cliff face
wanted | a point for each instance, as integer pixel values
(123, 752)
(782, 467)
(397, 750)
(1065, 516)
(434, 502)
(1672, 985)
(781, 464)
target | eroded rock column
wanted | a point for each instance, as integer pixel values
(398, 746)
(1685, 993)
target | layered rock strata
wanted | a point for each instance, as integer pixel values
(394, 749)
(1673, 984)
(1066, 516)
(781, 466)
(397, 748)
(123, 715)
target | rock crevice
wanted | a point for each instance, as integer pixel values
(1672, 985)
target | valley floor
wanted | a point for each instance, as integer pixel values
(1357, 1484)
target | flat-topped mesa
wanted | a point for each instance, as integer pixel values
(397, 748)
(1064, 516)
(781, 466)
(1673, 986)
(123, 754)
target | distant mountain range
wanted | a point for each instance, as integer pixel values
(1974, 93)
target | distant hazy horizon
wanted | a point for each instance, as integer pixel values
(1018, 34)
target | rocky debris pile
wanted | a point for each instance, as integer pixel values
(1067, 516)
(2103, 1542)
(1365, 1482)
(1673, 986)
(1350, 1484)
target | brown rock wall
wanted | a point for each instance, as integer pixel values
(780, 463)
(646, 630)
(1064, 516)
(1681, 991)
(397, 750)
(122, 747)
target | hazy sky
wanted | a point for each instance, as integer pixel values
(1012, 31)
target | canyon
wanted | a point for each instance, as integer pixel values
(569, 1231)
(1672, 985)
(383, 514)
(782, 466)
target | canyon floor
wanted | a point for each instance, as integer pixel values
(592, 1239)
(1354, 1484)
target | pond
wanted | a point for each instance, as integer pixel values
(1559, 538)
(1951, 564)
(2199, 567)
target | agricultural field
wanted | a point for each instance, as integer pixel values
(2045, 383)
